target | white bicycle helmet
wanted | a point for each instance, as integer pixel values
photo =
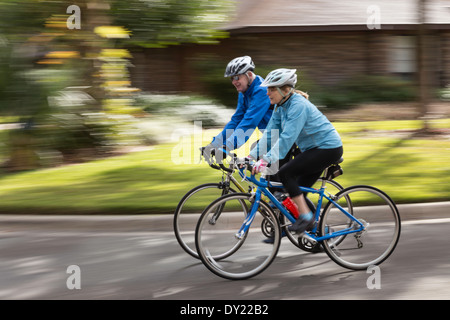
(239, 65)
(280, 77)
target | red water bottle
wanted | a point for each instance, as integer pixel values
(291, 206)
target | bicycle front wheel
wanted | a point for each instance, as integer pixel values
(368, 241)
(246, 254)
(190, 208)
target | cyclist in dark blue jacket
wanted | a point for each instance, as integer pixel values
(253, 108)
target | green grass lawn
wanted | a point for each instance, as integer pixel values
(382, 154)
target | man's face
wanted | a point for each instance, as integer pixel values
(240, 82)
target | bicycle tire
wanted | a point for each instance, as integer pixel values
(186, 235)
(376, 241)
(248, 252)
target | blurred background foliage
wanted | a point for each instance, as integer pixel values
(66, 96)
(345, 94)
(69, 94)
(68, 88)
(171, 22)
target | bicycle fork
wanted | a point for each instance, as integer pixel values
(225, 186)
(250, 216)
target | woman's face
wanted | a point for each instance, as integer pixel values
(274, 95)
(240, 82)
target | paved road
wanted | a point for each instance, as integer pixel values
(138, 258)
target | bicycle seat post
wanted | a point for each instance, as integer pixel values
(325, 174)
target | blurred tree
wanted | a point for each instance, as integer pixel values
(168, 22)
(423, 62)
(43, 52)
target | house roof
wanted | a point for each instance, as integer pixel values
(254, 15)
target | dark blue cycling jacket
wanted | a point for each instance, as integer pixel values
(253, 111)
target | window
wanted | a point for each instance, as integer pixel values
(402, 60)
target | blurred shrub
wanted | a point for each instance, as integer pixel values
(70, 131)
(365, 88)
(187, 108)
(356, 90)
(444, 93)
(73, 124)
(210, 72)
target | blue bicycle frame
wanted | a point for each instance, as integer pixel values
(262, 188)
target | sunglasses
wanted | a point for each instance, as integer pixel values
(235, 78)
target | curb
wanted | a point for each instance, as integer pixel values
(154, 223)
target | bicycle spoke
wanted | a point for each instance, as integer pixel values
(240, 256)
(189, 211)
(371, 238)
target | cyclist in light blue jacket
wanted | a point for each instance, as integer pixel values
(253, 107)
(296, 120)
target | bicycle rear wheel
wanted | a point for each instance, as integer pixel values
(189, 210)
(246, 255)
(369, 241)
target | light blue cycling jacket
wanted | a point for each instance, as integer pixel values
(253, 111)
(296, 121)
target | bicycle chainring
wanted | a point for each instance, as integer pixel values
(308, 246)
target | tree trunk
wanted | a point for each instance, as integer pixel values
(423, 64)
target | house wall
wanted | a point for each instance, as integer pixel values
(325, 57)
(157, 69)
(444, 68)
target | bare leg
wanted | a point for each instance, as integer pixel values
(305, 218)
(301, 204)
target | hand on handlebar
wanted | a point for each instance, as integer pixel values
(215, 156)
(246, 162)
(207, 151)
(212, 151)
(259, 166)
